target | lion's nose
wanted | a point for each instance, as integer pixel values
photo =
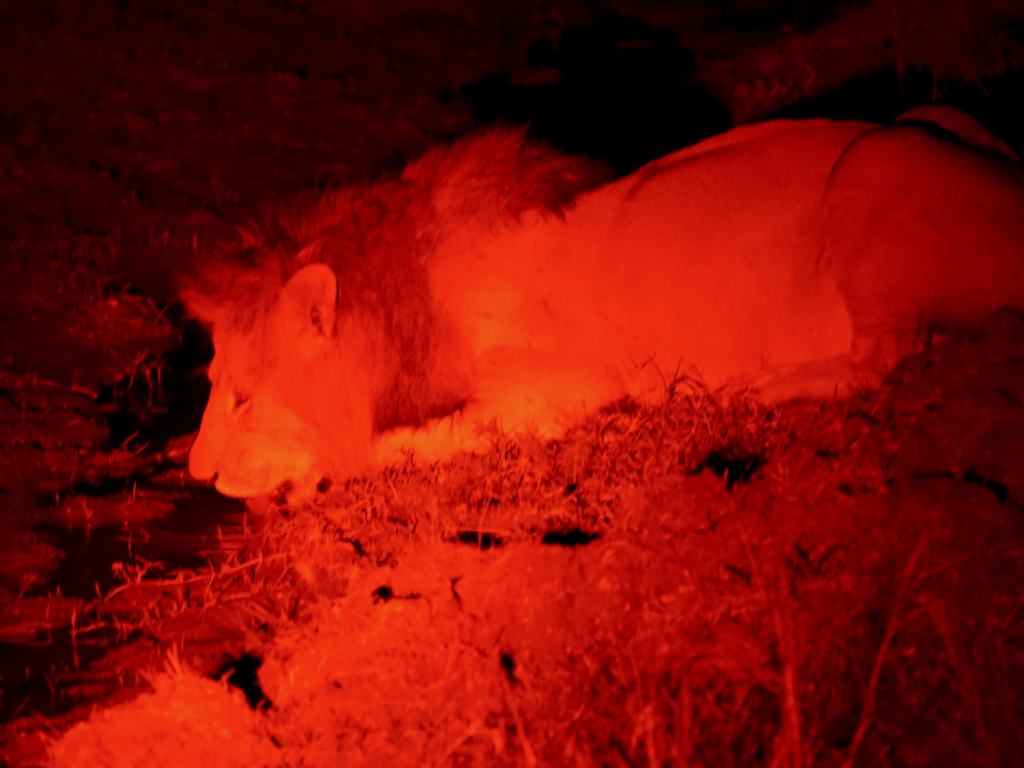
(200, 467)
(207, 478)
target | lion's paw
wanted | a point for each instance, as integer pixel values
(434, 442)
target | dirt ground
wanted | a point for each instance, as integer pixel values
(705, 583)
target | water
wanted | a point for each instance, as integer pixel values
(54, 674)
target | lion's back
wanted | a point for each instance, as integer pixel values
(497, 280)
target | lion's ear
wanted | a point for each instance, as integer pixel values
(314, 289)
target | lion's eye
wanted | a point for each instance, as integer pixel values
(241, 402)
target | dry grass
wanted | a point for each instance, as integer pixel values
(608, 599)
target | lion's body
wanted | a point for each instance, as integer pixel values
(491, 284)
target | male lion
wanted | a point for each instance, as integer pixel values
(497, 282)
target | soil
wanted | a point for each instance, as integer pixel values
(705, 583)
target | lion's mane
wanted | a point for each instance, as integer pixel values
(379, 239)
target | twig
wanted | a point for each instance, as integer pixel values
(180, 579)
(686, 729)
(868, 712)
(36, 382)
(790, 706)
(529, 756)
(962, 668)
(470, 732)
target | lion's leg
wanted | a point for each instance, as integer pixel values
(921, 235)
(833, 377)
(519, 391)
(439, 440)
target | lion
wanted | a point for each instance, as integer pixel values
(499, 284)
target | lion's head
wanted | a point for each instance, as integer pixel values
(290, 399)
(326, 329)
